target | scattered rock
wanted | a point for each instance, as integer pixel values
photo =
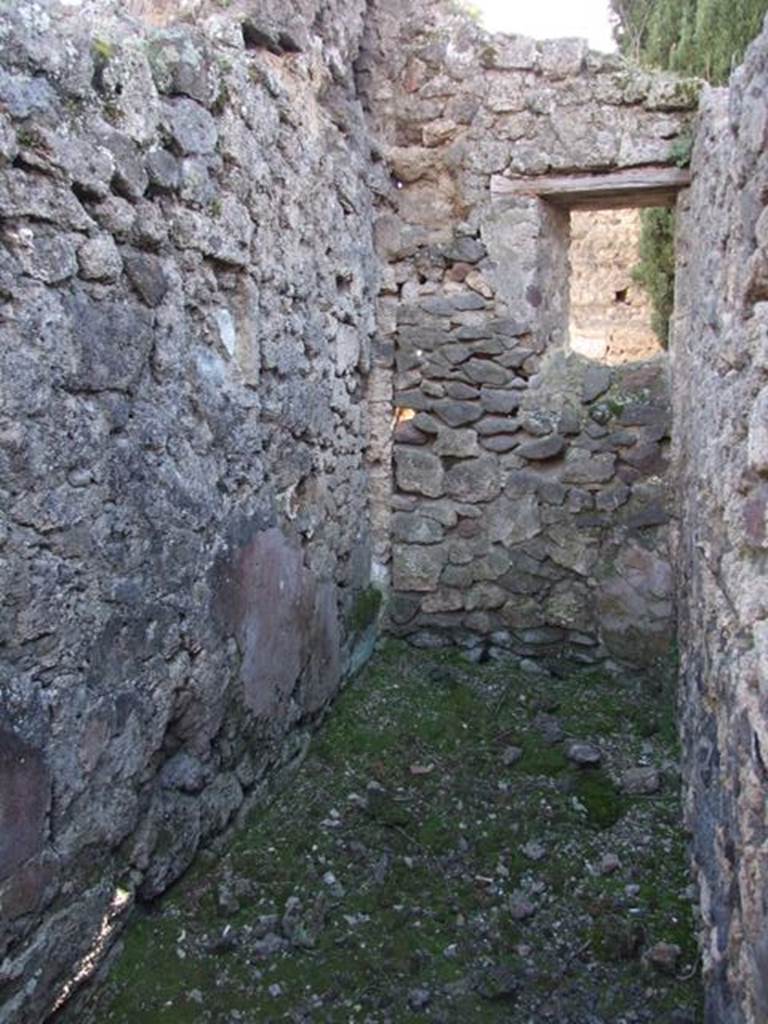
(521, 907)
(264, 924)
(224, 943)
(641, 781)
(499, 983)
(616, 939)
(291, 917)
(547, 703)
(270, 945)
(334, 885)
(534, 851)
(608, 864)
(549, 728)
(586, 755)
(664, 957)
(511, 755)
(419, 998)
(407, 854)
(226, 900)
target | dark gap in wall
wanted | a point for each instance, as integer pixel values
(263, 36)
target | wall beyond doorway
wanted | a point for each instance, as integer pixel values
(610, 314)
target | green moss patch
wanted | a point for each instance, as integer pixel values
(598, 795)
(417, 870)
(365, 609)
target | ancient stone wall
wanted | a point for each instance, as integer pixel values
(720, 377)
(197, 386)
(529, 511)
(187, 288)
(610, 314)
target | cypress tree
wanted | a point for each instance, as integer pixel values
(706, 38)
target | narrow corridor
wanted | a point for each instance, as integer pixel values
(462, 843)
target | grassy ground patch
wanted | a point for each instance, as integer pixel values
(438, 858)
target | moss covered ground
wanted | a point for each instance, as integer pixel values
(439, 857)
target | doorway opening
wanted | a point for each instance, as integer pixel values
(611, 312)
(621, 234)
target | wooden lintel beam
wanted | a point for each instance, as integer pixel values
(633, 186)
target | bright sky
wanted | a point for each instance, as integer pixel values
(551, 19)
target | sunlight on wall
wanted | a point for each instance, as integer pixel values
(120, 903)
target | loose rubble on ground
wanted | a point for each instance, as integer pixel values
(462, 843)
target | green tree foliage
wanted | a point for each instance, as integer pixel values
(696, 37)
(706, 38)
(656, 270)
(630, 23)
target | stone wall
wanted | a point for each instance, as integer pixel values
(529, 512)
(720, 376)
(187, 288)
(610, 315)
(200, 357)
